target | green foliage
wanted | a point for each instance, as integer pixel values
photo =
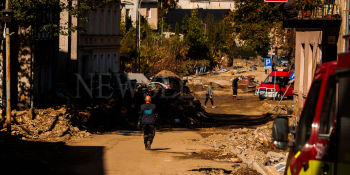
(307, 4)
(253, 20)
(194, 37)
(164, 6)
(128, 44)
(177, 29)
(123, 29)
(188, 68)
(34, 13)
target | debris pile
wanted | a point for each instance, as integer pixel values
(251, 146)
(46, 124)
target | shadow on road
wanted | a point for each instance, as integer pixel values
(160, 149)
(44, 158)
(219, 120)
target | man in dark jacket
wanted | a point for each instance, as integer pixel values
(234, 88)
(148, 118)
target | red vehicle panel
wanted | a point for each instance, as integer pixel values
(276, 85)
(312, 137)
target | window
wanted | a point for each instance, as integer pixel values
(103, 18)
(272, 79)
(109, 63)
(95, 64)
(86, 66)
(116, 23)
(148, 13)
(115, 63)
(110, 22)
(96, 24)
(328, 109)
(102, 64)
(343, 122)
(88, 23)
(307, 116)
(127, 13)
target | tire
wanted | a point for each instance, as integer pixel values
(261, 97)
(279, 96)
(280, 130)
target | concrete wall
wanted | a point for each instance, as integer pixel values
(131, 7)
(308, 55)
(341, 42)
(153, 17)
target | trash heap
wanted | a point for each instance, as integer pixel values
(46, 124)
(251, 146)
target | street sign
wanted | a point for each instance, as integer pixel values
(276, 0)
(268, 63)
(292, 76)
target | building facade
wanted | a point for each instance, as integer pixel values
(148, 9)
(95, 49)
(319, 39)
(99, 47)
(33, 57)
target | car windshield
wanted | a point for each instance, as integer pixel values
(161, 80)
(273, 79)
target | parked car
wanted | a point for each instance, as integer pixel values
(276, 85)
(170, 84)
(321, 139)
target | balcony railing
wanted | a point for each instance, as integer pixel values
(324, 11)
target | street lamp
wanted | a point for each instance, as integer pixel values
(138, 35)
(7, 16)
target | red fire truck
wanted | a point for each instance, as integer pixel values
(276, 85)
(321, 139)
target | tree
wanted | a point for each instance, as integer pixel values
(177, 29)
(253, 20)
(194, 37)
(36, 13)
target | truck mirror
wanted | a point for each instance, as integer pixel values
(280, 132)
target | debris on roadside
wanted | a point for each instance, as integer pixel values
(47, 124)
(250, 145)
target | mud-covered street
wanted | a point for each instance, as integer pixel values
(174, 87)
(233, 138)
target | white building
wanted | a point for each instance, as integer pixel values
(206, 4)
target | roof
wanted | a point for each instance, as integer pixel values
(177, 15)
(139, 77)
(281, 73)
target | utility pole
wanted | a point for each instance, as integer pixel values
(136, 35)
(139, 44)
(7, 19)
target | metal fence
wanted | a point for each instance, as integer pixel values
(324, 11)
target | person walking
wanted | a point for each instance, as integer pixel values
(234, 87)
(148, 119)
(209, 95)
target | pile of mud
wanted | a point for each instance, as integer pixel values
(46, 124)
(166, 73)
(253, 146)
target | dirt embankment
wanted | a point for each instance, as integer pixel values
(246, 145)
(51, 124)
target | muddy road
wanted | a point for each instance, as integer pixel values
(231, 137)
